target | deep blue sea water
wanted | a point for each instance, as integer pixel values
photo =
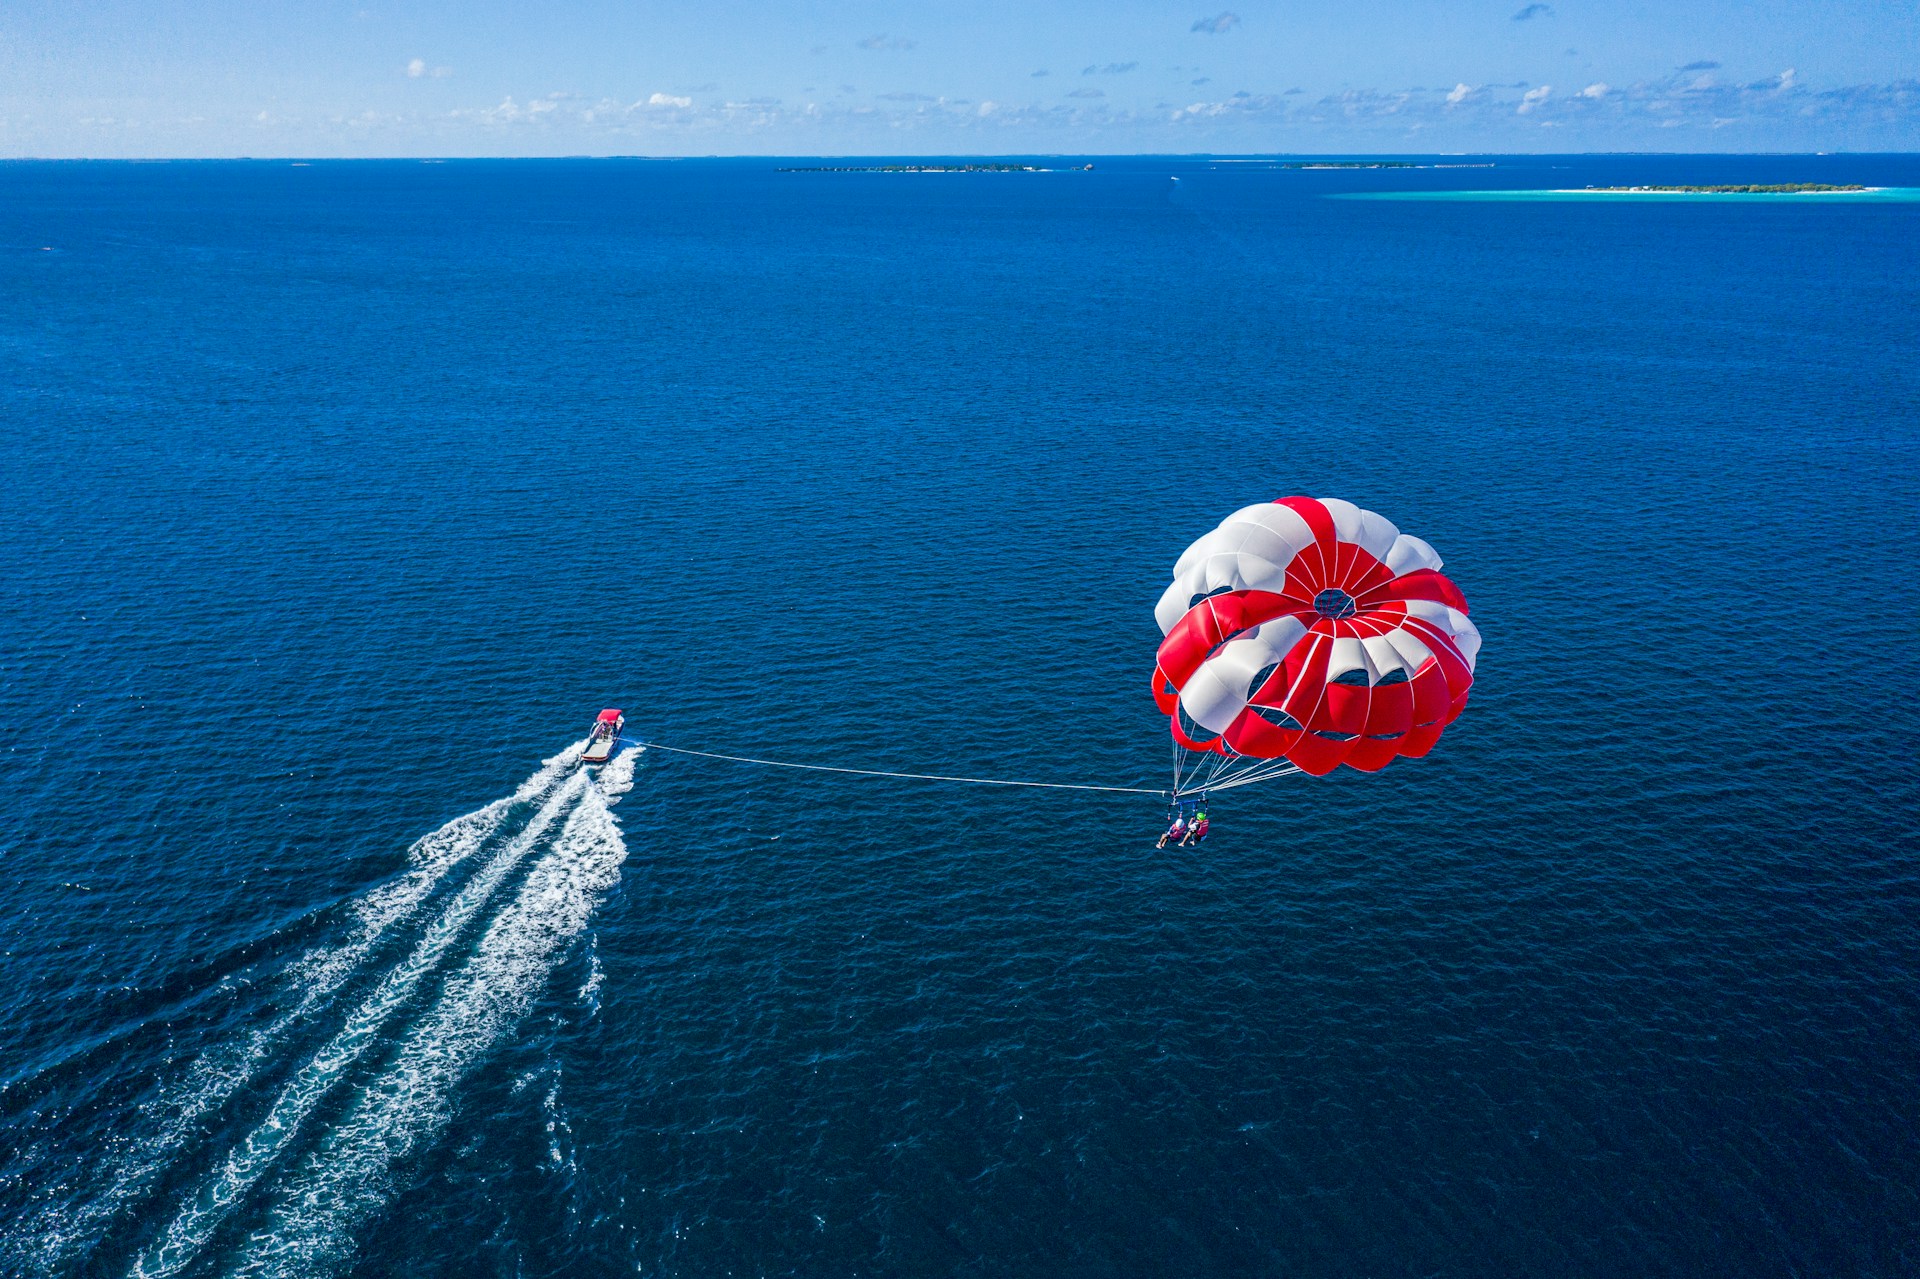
(338, 497)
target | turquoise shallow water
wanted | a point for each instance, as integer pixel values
(338, 498)
(1882, 195)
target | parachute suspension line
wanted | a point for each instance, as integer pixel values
(1224, 772)
(1271, 770)
(1188, 765)
(917, 777)
(1185, 766)
(1197, 772)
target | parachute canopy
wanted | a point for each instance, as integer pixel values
(1307, 633)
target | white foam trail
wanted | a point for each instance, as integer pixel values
(559, 1131)
(253, 1157)
(589, 995)
(319, 974)
(217, 1076)
(347, 1178)
(616, 779)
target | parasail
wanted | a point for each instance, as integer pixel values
(1303, 634)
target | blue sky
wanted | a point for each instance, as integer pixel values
(735, 77)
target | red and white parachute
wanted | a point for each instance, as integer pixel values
(1303, 634)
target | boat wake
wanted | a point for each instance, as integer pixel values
(344, 1179)
(363, 1062)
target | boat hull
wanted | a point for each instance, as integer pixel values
(600, 746)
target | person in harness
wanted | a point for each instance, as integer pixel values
(1196, 829)
(1176, 832)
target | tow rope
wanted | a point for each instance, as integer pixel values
(916, 777)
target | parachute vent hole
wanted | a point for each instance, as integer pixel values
(1332, 736)
(1356, 678)
(1335, 603)
(1275, 716)
(1398, 675)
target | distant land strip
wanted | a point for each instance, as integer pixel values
(1776, 188)
(925, 168)
(1374, 164)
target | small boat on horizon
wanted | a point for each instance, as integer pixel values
(604, 737)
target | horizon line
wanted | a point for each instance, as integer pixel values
(921, 155)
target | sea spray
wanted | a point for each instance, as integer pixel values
(589, 993)
(616, 779)
(256, 1154)
(346, 1178)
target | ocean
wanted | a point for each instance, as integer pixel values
(338, 499)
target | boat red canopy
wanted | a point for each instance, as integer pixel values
(607, 717)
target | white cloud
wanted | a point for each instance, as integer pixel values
(506, 113)
(1242, 104)
(1462, 113)
(1217, 24)
(417, 68)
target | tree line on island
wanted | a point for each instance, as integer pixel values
(1772, 188)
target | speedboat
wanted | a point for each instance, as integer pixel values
(604, 737)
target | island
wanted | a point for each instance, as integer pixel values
(926, 168)
(1374, 164)
(1777, 188)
